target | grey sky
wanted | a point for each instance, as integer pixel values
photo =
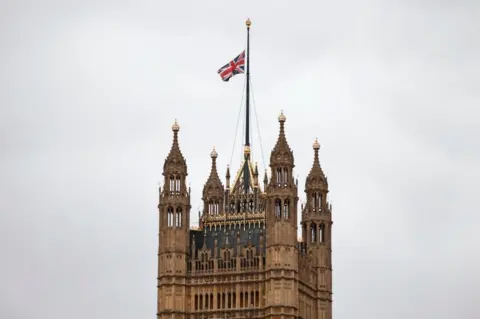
(89, 91)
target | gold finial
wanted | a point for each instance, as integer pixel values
(175, 126)
(248, 23)
(214, 153)
(282, 118)
(246, 150)
(316, 145)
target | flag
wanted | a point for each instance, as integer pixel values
(233, 67)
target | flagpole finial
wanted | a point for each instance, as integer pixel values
(248, 23)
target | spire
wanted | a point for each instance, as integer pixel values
(227, 176)
(175, 160)
(316, 177)
(213, 185)
(281, 153)
(265, 181)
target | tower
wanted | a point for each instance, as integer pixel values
(174, 217)
(244, 259)
(316, 233)
(281, 277)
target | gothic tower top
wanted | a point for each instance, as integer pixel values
(316, 178)
(281, 153)
(175, 162)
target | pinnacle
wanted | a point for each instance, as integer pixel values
(282, 145)
(213, 180)
(175, 155)
(316, 172)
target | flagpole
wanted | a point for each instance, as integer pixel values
(247, 128)
(246, 172)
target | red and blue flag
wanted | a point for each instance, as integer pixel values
(233, 67)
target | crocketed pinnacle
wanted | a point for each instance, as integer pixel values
(316, 177)
(281, 151)
(213, 181)
(175, 160)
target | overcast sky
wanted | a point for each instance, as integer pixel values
(89, 91)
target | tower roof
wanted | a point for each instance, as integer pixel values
(316, 178)
(281, 153)
(175, 162)
(213, 186)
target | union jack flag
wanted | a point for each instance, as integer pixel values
(233, 67)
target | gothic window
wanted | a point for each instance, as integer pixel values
(285, 177)
(178, 217)
(177, 184)
(279, 177)
(286, 209)
(313, 232)
(218, 300)
(229, 300)
(246, 299)
(172, 183)
(257, 299)
(241, 300)
(319, 201)
(223, 300)
(211, 301)
(170, 216)
(200, 302)
(252, 298)
(206, 301)
(234, 297)
(196, 302)
(278, 208)
(322, 233)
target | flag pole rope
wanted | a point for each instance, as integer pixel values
(258, 125)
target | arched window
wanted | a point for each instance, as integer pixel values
(285, 177)
(278, 208)
(196, 302)
(313, 232)
(211, 301)
(322, 233)
(178, 217)
(200, 303)
(172, 183)
(170, 216)
(177, 184)
(210, 207)
(286, 209)
(279, 177)
(319, 201)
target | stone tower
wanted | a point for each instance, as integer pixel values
(174, 211)
(281, 276)
(316, 233)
